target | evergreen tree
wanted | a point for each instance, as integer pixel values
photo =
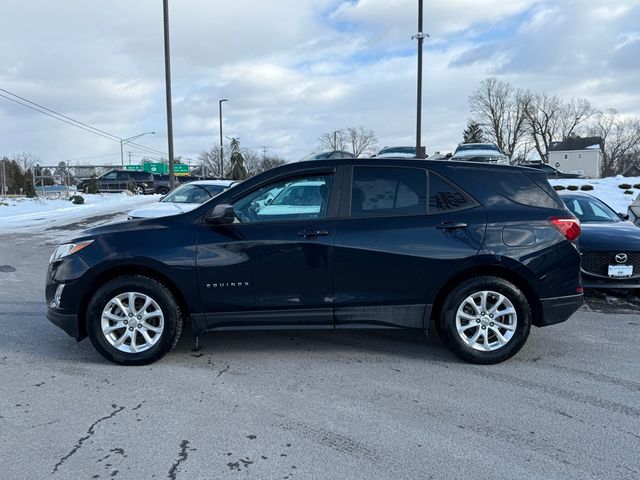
(27, 184)
(473, 133)
(238, 171)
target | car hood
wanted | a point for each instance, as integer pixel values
(617, 236)
(162, 209)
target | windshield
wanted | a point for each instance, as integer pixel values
(590, 210)
(191, 193)
(409, 150)
(468, 147)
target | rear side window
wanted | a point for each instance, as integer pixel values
(384, 191)
(532, 191)
(445, 197)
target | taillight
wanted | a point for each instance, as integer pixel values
(569, 227)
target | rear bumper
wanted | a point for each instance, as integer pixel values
(558, 309)
(67, 322)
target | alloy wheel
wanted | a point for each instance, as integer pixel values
(486, 321)
(132, 322)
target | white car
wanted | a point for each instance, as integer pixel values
(397, 152)
(183, 199)
(481, 153)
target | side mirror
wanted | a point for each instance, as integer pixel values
(221, 215)
(448, 155)
(624, 216)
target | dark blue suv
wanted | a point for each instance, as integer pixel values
(477, 253)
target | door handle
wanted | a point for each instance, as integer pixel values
(451, 225)
(312, 233)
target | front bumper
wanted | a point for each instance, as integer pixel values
(558, 309)
(67, 322)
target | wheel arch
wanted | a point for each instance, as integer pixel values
(501, 271)
(122, 270)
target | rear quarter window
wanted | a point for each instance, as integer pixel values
(531, 190)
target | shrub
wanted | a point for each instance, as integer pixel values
(76, 199)
(558, 187)
(586, 187)
(3, 204)
(131, 186)
(637, 186)
(628, 192)
(624, 186)
(573, 188)
(92, 186)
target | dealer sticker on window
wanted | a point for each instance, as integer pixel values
(620, 271)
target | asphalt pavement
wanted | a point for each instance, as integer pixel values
(328, 405)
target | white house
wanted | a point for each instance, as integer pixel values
(578, 155)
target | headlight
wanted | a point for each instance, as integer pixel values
(67, 249)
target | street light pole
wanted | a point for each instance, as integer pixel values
(167, 74)
(123, 141)
(221, 144)
(420, 36)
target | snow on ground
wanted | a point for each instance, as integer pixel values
(39, 214)
(607, 190)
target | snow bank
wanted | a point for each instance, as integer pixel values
(607, 190)
(34, 214)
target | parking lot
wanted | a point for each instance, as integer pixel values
(295, 405)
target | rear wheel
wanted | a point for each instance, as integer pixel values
(163, 190)
(485, 320)
(134, 320)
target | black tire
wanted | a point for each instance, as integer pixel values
(163, 190)
(449, 333)
(139, 190)
(173, 319)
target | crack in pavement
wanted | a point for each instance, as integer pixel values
(182, 457)
(89, 434)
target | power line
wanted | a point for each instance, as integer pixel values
(57, 118)
(61, 115)
(70, 121)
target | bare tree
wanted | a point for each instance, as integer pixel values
(549, 119)
(500, 110)
(356, 140)
(210, 159)
(621, 139)
(334, 140)
(362, 141)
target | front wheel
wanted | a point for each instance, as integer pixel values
(133, 320)
(485, 320)
(138, 190)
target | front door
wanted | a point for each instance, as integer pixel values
(274, 265)
(107, 181)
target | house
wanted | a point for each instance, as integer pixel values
(581, 155)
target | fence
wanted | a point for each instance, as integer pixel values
(59, 180)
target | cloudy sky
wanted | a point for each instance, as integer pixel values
(294, 69)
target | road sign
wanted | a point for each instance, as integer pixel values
(133, 167)
(163, 168)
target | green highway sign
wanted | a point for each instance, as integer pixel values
(163, 168)
(133, 167)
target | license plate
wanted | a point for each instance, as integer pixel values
(620, 271)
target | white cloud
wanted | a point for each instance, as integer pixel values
(293, 69)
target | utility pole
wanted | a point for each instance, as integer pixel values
(221, 144)
(167, 74)
(420, 36)
(4, 178)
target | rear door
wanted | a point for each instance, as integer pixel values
(401, 229)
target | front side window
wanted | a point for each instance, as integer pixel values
(384, 191)
(109, 176)
(301, 198)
